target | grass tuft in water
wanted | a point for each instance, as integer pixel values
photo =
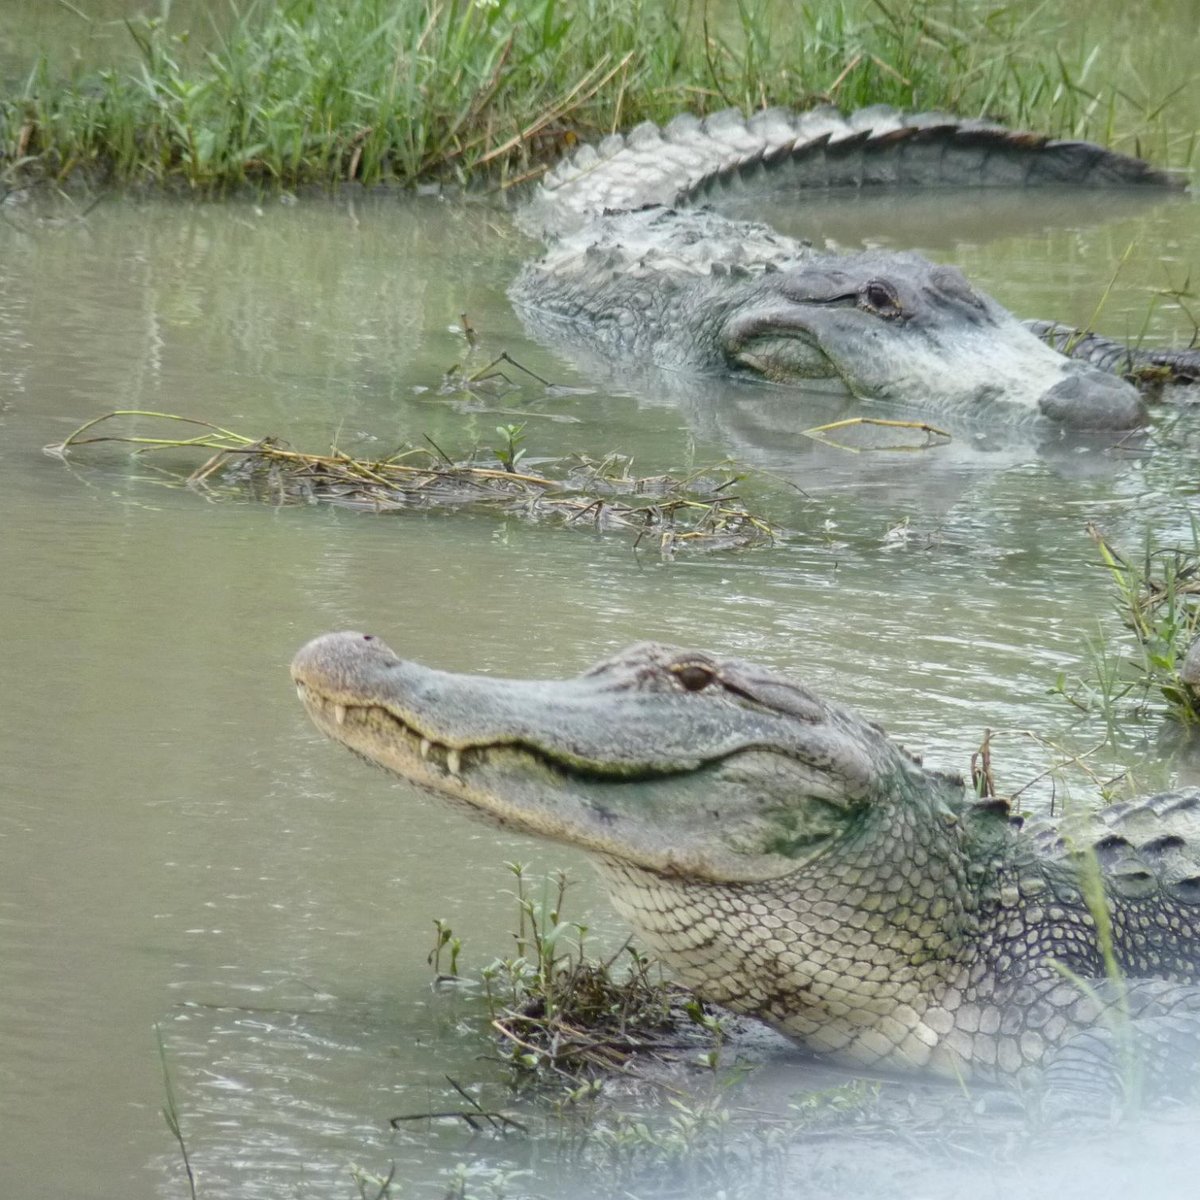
(322, 91)
(1158, 599)
(562, 1014)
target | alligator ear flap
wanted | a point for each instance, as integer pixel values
(998, 806)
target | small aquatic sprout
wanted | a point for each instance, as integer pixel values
(444, 940)
(170, 1112)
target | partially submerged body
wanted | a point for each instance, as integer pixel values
(787, 860)
(635, 272)
(692, 291)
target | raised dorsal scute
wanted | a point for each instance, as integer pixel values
(772, 125)
(1159, 836)
(876, 118)
(645, 136)
(724, 122)
(684, 127)
(821, 122)
(584, 158)
(932, 119)
(611, 145)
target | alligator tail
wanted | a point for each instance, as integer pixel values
(878, 146)
(690, 159)
(1140, 363)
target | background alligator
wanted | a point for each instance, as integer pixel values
(632, 275)
(786, 859)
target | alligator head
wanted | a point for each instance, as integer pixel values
(897, 327)
(775, 850)
(669, 760)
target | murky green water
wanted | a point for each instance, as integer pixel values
(180, 851)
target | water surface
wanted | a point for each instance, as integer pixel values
(180, 851)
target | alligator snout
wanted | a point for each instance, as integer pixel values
(1088, 398)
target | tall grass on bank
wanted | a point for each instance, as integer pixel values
(317, 91)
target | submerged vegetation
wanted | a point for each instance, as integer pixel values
(320, 91)
(695, 512)
(561, 1014)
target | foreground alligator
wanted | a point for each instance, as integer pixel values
(786, 859)
(633, 276)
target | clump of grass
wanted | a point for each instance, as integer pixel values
(563, 1015)
(1158, 599)
(318, 91)
(694, 512)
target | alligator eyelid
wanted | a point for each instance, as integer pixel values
(751, 698)
(844, 298)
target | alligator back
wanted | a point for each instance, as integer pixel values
(1148, 847)
(690, 159)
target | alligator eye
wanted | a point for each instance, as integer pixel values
(879, 297)
(694, 676)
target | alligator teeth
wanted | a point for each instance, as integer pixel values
(339, 713)
(453, 757)
(300, 691)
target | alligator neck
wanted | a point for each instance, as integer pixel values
(851, 953)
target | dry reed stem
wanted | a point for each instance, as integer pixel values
(818, 434)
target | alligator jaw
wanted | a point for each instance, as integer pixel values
(396, 745)
(514, 787)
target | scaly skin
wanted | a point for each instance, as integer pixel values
(786, 859)
(692, 291)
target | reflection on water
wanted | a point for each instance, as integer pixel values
(178, 848)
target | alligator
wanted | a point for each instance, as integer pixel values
(787, 860)
(637, 271)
